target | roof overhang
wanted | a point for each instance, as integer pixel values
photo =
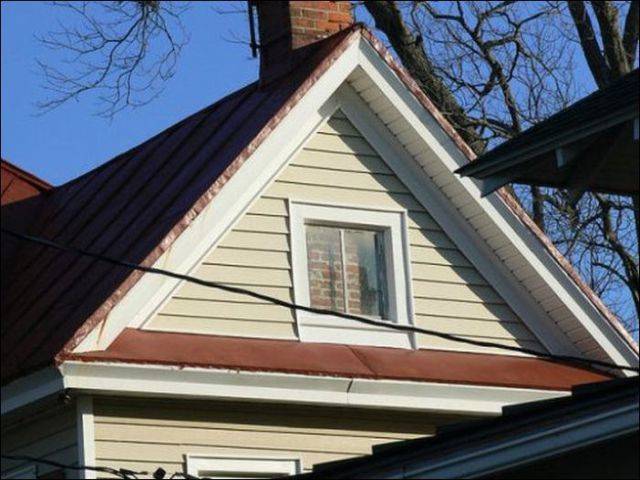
(179, 382)
(590, 145)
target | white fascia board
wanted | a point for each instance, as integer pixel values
(505, 221)
(513, 452)
(233, 385)
(442, 210)
(30, 389)
(151, 292)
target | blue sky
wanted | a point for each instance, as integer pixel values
(71, 140)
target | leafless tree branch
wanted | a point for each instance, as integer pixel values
(124, 51)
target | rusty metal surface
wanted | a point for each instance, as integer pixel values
(350, 361)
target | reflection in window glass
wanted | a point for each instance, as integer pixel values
(364, 252)
(347, 270)
(324, 260)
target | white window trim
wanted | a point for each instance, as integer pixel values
(275, 466)
(333, 329)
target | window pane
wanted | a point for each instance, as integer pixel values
(324, 257)
(366, 276)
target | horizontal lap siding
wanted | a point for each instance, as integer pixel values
(158, 433)
(338, 166)
(50, 435)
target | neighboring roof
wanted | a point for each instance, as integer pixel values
(18, 184)
(350, 361)
(21, 197)
(464, 446)
(136, 205)
(597, 128)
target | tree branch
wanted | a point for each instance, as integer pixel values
(595, 59)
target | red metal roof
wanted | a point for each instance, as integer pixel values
(22, 196)
(134, 206)
(350, 361)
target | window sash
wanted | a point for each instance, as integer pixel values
(380, 255)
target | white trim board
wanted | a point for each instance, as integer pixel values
(221, 466)
(499, 214)
(287, 138)
(86, 435)
(90, 379)
(201, 383)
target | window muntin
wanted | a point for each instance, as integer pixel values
(347, 269)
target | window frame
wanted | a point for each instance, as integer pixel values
(333, 329)
(224, 464)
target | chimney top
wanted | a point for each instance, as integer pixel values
(286, 27)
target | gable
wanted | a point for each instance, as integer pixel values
(337, 166)
(402, 125)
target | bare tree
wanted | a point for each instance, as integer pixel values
(123, 50)
(493, 68)
(496, 68)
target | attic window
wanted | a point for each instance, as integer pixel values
(347, 270)
(350, 260)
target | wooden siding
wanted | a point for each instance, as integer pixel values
(337, 165)
(50, 434)
(144, 435)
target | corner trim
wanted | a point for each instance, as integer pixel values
(86, 435)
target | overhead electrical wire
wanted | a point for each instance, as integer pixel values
(319, 311)
(158, 474)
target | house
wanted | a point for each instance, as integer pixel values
(327, 183)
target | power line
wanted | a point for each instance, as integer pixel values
(158, 474)
(119, 472)
(318, 311)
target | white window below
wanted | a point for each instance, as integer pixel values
(350, 260)
(205, 466)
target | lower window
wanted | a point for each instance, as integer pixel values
(205, 466)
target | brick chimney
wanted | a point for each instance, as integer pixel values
(287, 27)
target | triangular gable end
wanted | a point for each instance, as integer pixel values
(423, 156)
(337, 167)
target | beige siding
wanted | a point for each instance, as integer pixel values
(48, 433)
(144, 435)
(339, 166)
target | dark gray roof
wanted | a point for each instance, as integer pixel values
(590, 125)
(515, 422)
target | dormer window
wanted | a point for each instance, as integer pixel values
(350, 260)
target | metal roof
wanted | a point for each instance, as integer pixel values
(588, 145)
(348, 361)
(132, 208)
